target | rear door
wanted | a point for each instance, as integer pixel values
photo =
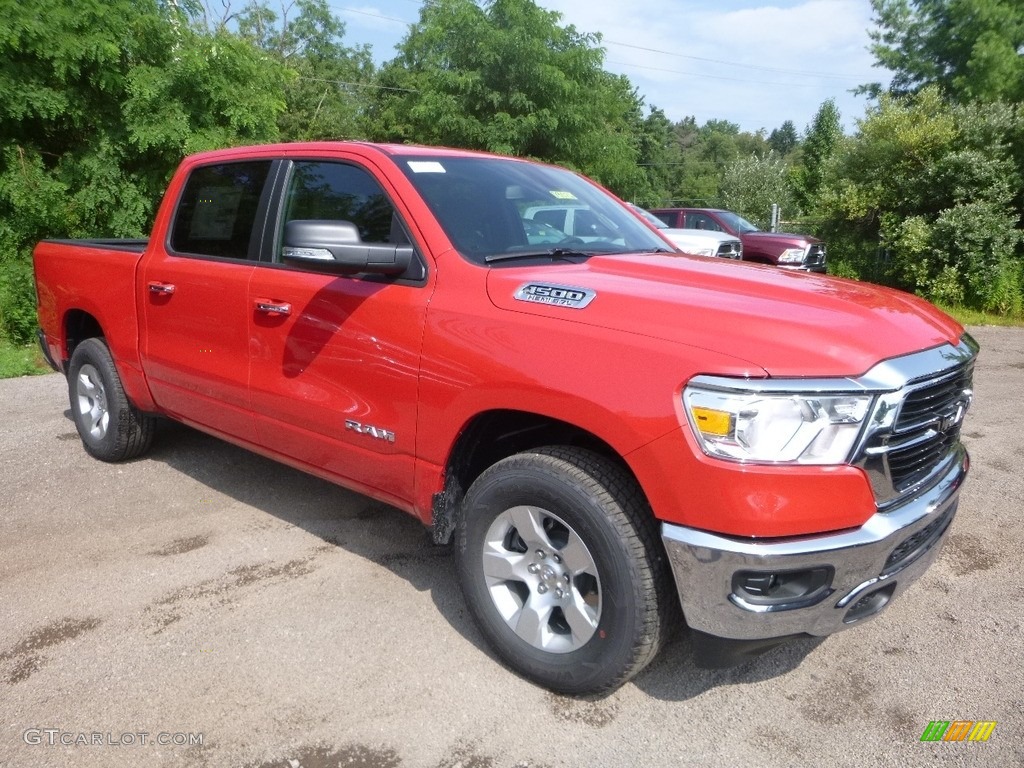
(335, 358)
(195, 307)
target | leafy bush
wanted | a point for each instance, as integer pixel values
(99, 100)
(933, 190)
(17, 302)
(752, 184)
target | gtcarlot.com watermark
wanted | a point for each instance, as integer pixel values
(57, 737)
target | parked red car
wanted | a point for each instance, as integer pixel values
(780, 249)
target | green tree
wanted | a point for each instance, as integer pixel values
(923, 198)
(698, 176)
(326, 81)
(704, 152)
(751, 185)
(507, 78)
(660, 159)
(784, 139)
(821, 139)
(99, 99)
(971, 49)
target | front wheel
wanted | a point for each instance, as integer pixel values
(561, 568)
(111, 428)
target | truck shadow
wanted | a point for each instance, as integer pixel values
(673, 677)
(398, 542)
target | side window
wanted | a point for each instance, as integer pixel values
(217, 210)
(340, 192)
(702, 221)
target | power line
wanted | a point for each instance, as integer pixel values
(701, 75)
(345, 9)
(730, 63)
(358, 85)
(803, 73)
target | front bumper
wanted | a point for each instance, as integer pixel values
(856, 572)
(819, 269)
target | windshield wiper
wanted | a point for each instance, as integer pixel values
(552, 253)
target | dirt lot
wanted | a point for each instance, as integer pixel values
(204, 594)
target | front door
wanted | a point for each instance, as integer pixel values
(335, 358)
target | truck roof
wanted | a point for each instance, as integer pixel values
(293, 148)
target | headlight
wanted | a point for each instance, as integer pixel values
(702, 251)
(776, 427)
(792, 256)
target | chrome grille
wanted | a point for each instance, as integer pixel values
(915, 430)
(909, 466)
(733, 250)
(815, 255)
(921, 405)
(929, 425)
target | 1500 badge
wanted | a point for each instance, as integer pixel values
(556, 295)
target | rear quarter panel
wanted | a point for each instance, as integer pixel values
(100, 282)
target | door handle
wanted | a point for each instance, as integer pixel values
(163, 289)
(273, 307)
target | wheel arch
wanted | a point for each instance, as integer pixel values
(78, 326)
(494, 435)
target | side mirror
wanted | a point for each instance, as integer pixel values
(336, 246)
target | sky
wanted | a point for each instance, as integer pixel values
(753, 63)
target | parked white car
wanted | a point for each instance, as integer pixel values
(700, 242)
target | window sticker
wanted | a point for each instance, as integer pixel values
(215, 212)
(561, 194)
(425, 166)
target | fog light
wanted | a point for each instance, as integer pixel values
(783, 589)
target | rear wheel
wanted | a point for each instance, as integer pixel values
(111, 428)
(561, 568)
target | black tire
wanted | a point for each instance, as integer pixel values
(585, 506)
(111, 428)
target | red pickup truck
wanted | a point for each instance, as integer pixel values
(780, 249)
(608, 431)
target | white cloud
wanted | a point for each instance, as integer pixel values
(711, 60)
(752, 64)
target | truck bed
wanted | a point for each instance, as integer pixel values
(96, 277)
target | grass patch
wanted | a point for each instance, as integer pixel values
(975, 317)
(21, 361)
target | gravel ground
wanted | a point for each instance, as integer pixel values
(248, 615)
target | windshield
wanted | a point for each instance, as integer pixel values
(490, 206)
(737, 222)
(647, 216)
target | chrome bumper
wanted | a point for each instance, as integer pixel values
(860, 570)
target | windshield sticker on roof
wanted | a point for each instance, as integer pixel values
(425, 166)
(562, 194)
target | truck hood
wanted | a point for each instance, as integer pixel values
(706, 235)
(788, 324)
(780, 239)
